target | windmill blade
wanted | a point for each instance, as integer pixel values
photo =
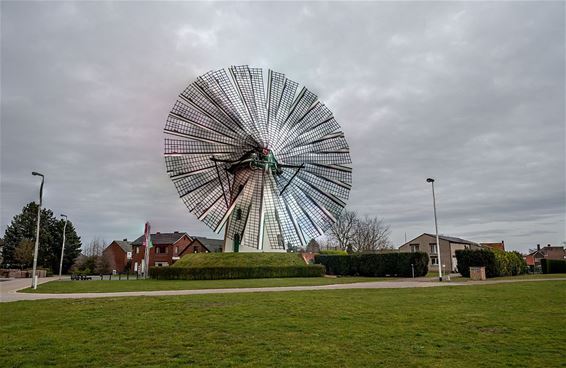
(268, 165)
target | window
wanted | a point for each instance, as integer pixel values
(196, 249)
(137, 250)
(414, 248)
(433, 248)
(176, 250)
(434, 261)
(466, 246)
(239, 214)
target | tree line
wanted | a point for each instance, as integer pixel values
(19, 241)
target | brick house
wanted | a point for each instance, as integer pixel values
(548, 252)
(201, 244)
(448, 247)
(167, 248)
(117, 254)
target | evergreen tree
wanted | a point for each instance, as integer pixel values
(23, 227)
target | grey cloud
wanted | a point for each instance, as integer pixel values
(470, 93)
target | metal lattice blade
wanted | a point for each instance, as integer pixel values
(268, 165)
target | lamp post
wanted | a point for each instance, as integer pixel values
(33, 275)
(430, 180)
(63, 246)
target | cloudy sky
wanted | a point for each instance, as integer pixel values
(469, 93)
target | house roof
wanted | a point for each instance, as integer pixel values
(161, 238)
(212, 245)
(450, 239)
(500, 246)
(125, 245)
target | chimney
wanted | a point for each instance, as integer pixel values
(176, 232)
(125, 239)
(538, 246)
(158, 233)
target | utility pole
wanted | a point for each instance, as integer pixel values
(33, 275)
(63, 246)
(430, 180)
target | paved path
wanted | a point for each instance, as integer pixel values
(9, 288)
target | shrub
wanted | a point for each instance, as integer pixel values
(337, 264)
(496, 262)
(467, 258)
(250, 272)
(553, 266)
(375, 264)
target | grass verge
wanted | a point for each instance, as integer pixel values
(106, 286)
(502, 325)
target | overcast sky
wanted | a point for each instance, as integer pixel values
(471, 94)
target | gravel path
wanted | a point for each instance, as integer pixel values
(8, 289)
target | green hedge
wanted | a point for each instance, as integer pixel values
(496, 262)
(553, 265)
(218, 273)
(375, 265)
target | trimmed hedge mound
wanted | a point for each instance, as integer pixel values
(331, 251)
(239, 260)
(553, 265)
(496, 262)
(375, 265)
(250, 272)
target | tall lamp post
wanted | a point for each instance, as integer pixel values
(33, 275)
(430, 180)
(63, 246)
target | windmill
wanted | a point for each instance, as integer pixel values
(265, 162)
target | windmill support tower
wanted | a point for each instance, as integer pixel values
(265, 163)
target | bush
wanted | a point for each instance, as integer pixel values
(467, 258)
(250, 272)
(496, 262)
(336, 264)
(375, 264)
(553, 266)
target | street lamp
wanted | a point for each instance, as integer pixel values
(33, 275)
(62, 247)
(430, 180)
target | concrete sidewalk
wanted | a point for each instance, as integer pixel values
(9, 292)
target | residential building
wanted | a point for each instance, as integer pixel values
(200, 244)
(548, 252)
(118, 253)
(448, 247)
(167, 248)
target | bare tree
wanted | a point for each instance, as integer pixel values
(370, 235)
(95, 247)
(342, 231)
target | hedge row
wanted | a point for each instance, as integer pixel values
(218, 273)
(553, 265)
(496, 262)
(375, 265)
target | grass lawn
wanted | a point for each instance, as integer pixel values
(502, 325)
(106, 286)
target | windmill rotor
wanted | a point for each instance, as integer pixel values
(266, 163)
